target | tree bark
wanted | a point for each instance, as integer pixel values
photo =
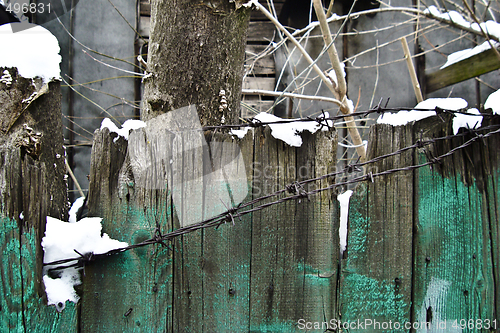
(196, 56)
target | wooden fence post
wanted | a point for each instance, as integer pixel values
(32, 187)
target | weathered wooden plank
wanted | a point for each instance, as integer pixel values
(294, 250)
(131, 213)
(32, 187)
(264, 83)
(491, 199)
(455, 251)
(261, 31)
(188, 258)
(377, 273)
(227, 250)
(258, 65)
(317, 230)
(474, 66)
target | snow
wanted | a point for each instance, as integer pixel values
(240, 133)
(60, 242)
(344, 214)
(127, 126)
(6, 78)
(62, 289)
(404, 117)
(34, 51)
(467, 53)
(466, 121)
(493, 102)
(74, 209)
(290, 132)
(332, 76)
(491, 27)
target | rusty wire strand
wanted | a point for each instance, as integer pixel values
(323, 121)
(295, 188)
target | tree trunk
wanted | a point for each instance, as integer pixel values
(32, 187)
(196, 56)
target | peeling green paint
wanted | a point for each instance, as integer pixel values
(372, 299)
(23, 308)
(453, 251)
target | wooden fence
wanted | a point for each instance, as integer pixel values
(423, 244)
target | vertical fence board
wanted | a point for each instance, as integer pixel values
(279, 267)
(454, 249)
(227, 249)
(32, 187)
(376, 279)
(138, 279)
(267, 262)
(293, 249)
(492, 201)
(188, 311)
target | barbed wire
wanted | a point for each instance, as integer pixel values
(297, 191)
(323, 120)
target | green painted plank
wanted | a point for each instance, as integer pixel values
(264, 274)
(377, 273)
(456, 251)
(269, 264)
(32, 183)
(476, 65)
(453, 278)
(227, 250)
(188, 257)
(493, 203)
(138, 279)
(294, 244)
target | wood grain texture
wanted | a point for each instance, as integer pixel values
(294, 244)
(456, 244)
(377, 273)
(423, 245)
(238, 278)
(32, 183)
(139, 279)
(474, 66)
